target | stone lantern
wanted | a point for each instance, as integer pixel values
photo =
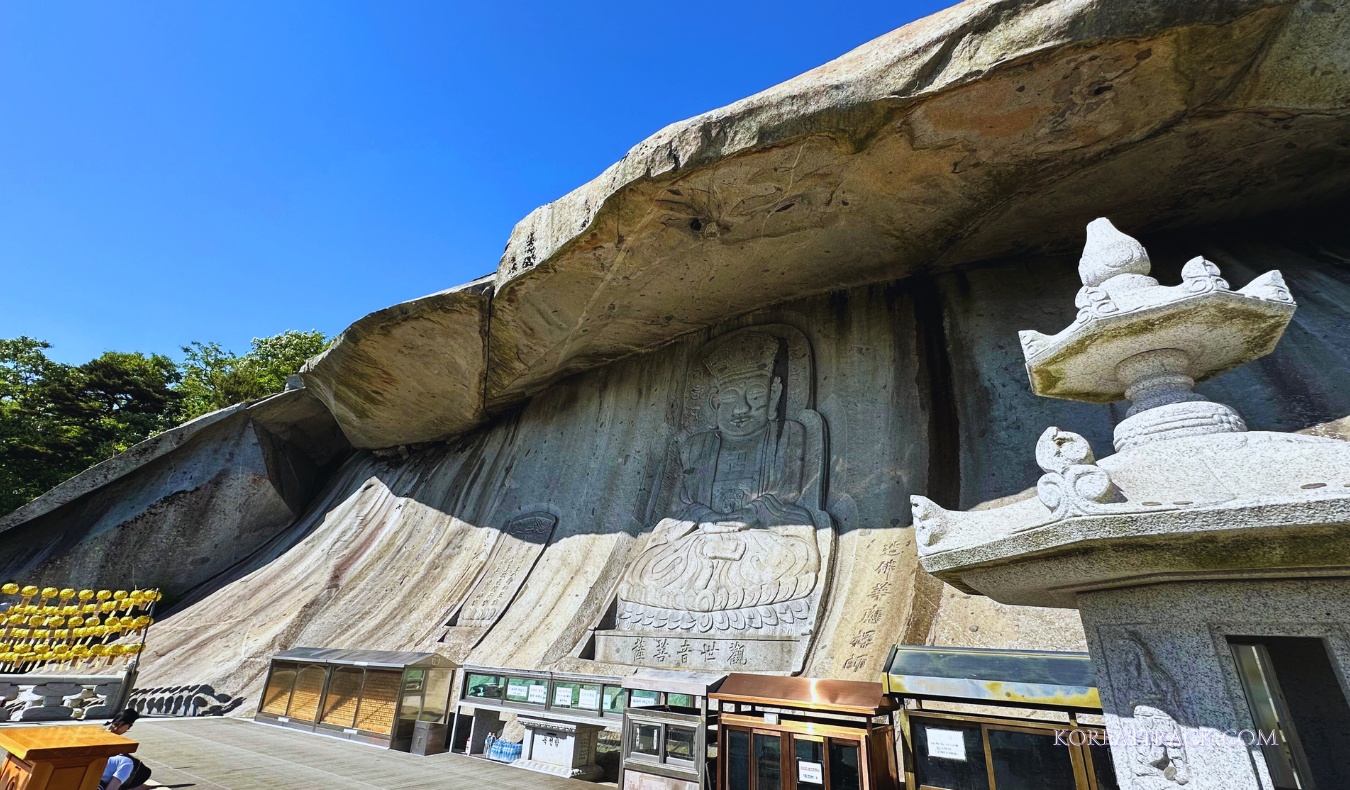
(1210, 564)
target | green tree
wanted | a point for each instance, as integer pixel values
(214, 378)
(57, 419)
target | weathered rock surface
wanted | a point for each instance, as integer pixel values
(409, 373)
(392, 553)
(180, 508)
(991, 128)
(907, 208)
(397, 545)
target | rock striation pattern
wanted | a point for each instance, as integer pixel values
(679, 426)
(180, 509)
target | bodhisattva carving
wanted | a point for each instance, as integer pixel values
(744, 542)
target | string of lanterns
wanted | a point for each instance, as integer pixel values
(55, 627)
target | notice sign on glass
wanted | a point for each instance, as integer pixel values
(590, 698)
(516, 690)
(810, 773)
(562, 695)
(946, 744)
(539, 694)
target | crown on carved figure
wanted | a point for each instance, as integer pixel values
(1109, 253)
(747, 354)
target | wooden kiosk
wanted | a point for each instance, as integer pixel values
(1038, 734)
(372, 696)
(788, 733)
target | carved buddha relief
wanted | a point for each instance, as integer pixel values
(743, 544)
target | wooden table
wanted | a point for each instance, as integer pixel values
(58, 757)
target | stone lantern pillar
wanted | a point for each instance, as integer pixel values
(1210, 564)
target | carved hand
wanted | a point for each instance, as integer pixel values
(719, 527)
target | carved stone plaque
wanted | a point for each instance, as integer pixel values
(522, 540)
(727, 654)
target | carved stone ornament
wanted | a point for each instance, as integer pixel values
(743, 543)
(1133, 338)
(1187, 472)
(1073, 484)
(1158, 758)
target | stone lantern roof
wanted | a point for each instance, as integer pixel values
(1190, 492)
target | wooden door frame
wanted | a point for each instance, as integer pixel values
(787, 736)
(1079, 757)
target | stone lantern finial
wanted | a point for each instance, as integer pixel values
(1134, 338)
(1109, 253)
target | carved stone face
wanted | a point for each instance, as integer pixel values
(744, 405)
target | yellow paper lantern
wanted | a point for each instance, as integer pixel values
(29, 591)
(75, 621)
(67, 594)
(85, 595)
(10, 589)
(80, 650)
(119, 595)
(50, 592)
(103, 595)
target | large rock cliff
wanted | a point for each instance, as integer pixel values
(904, 210)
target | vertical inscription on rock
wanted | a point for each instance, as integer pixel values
(522, 540)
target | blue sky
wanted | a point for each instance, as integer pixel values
(216, 171)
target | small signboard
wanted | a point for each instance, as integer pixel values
(562, 695)
(539, 694)
(810, 773)
(590, 699)
(946, 744)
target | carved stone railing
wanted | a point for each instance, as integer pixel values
(35, 697)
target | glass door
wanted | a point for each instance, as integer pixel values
(808, 765)
(768, 750)
(754, 760)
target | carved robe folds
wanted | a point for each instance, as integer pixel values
(745, 544)
(702, 566)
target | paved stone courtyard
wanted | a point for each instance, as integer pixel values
(233, 754)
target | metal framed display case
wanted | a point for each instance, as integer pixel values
(487, 692)
(669, 739)
(371, 696)
(962, 747)
(791, 733)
